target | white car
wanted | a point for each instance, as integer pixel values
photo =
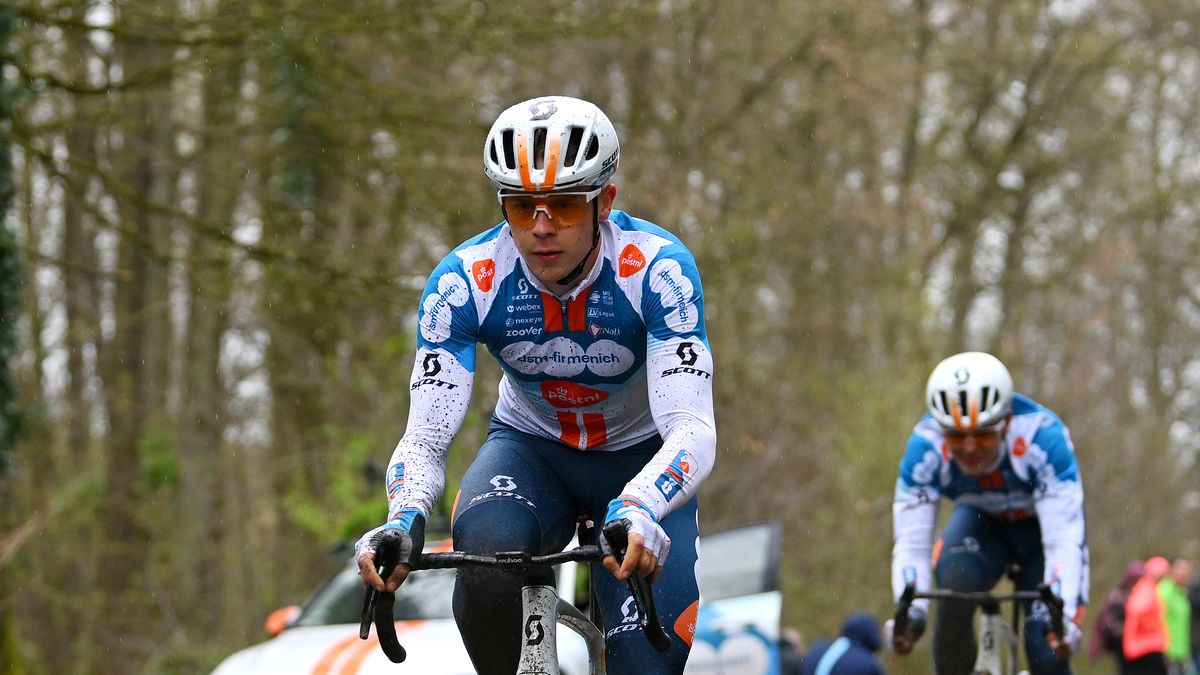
(737, 630)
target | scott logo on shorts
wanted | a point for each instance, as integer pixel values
(504, 483)
(629, 619)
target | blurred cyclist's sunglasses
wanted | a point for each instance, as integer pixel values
(564, 209)
(986, 434)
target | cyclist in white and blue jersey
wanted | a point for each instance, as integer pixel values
(1008, 465)
(605, 406)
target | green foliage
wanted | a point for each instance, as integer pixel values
(159, 460)
(355, 498)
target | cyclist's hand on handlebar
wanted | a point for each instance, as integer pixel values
(410, 525)
(911, 630)
(648, 543)
(1063, 647)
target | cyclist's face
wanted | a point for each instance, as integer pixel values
(553, 234)
(975, 451)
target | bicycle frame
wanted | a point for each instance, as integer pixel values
(994, 632)
(542, 609)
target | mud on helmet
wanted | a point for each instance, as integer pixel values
(970, 391)
(551, 143)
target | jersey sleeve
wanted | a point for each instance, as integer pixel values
(1058, 500)
(440, 389)
(679, 369)
(914, 516)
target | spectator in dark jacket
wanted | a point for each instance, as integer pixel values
(851, 654)
(1109, 629)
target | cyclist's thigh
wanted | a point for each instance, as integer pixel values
(509, 500)
(972, 551)
(676, 595)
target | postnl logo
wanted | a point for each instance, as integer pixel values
(563, 394)
(632, 261)
(484, 272)
(1019, 448)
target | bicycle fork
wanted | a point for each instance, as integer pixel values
(994, 635)
(543, 609)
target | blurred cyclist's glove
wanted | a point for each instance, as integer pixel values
(411, 525)
(1074, 635)
(914, 626)
(1071, 643)
(640, 522)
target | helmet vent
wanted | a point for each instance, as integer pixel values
(573, 144)
(983, 397)
(539, 148)
(962, 401)
(593, 148)
(944, 401)
(510, 153)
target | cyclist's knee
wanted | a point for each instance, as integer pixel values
(1042, 660)
(498, 525)
(962, 572)
(633, 655)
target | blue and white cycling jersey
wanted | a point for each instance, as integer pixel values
(622, 357)
(1035, 476)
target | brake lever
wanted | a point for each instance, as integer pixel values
(617, 535)
(900, 619)
(377, 605)
(1054, 605)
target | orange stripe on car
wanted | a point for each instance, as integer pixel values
(355, 661)
(937, 551)
(325, 665)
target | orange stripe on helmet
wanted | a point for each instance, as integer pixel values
(550, 164)
(958, 423)
(974, 412)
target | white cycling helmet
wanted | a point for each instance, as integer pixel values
(969, 391)
(551, 143)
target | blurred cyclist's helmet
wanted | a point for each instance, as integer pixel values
(969, 392)
(551, 143)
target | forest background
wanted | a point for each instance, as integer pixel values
(218, 216)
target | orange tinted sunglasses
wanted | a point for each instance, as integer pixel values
(564, 209)
(991, 433)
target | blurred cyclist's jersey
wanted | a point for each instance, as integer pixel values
(1036, 475)
(622, 357)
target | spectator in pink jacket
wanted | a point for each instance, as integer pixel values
(1145, 639)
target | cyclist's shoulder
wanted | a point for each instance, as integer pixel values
(485, 259)
(926, 435)
(1035, 425)
(639, 236)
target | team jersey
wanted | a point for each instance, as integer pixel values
(1036, 476)
(622, 357)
